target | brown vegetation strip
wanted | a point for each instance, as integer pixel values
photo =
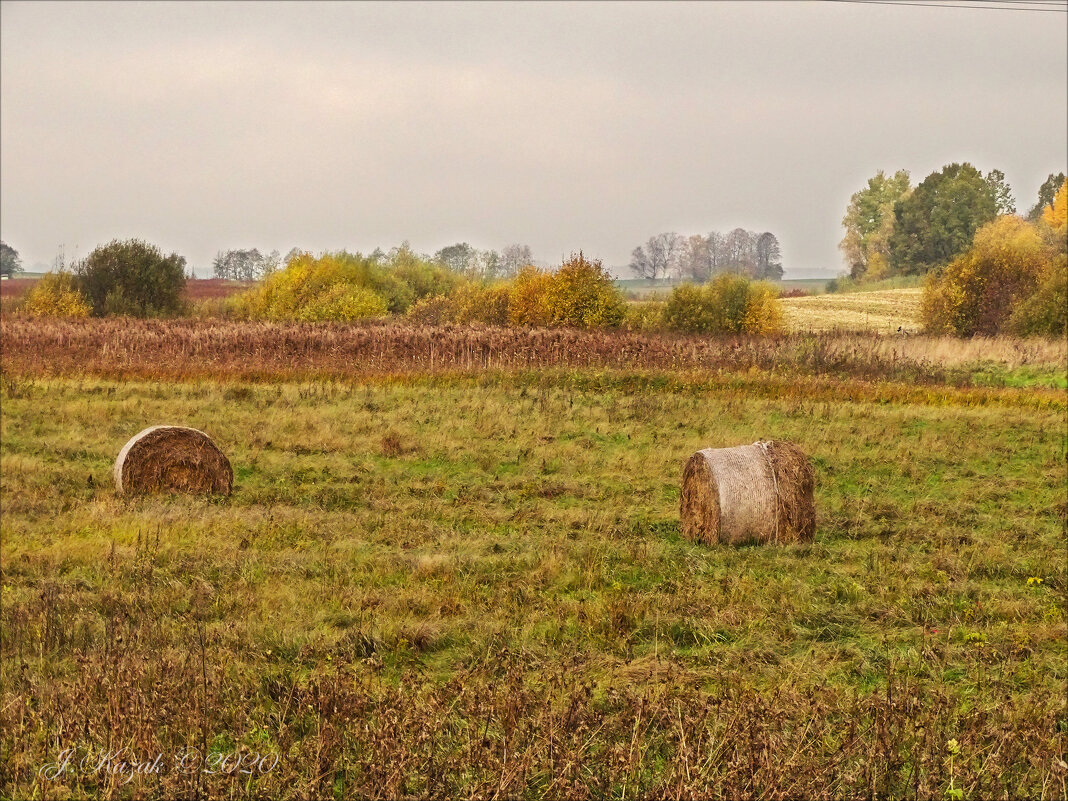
(190, 349)
(16, 287)
(204, 288)
(492, 732)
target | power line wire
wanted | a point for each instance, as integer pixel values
(1061, 8)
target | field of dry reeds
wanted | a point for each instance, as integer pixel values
(177, 349)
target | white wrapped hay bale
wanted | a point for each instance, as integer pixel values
(175, 459)
(751, 493)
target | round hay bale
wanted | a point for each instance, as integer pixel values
(751, 493)
(172, 458)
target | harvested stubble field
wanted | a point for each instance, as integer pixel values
(883, 311)
(462, 574)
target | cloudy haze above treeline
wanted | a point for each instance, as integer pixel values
(202, 127)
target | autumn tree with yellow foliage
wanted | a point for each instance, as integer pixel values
(1055, 215)
(1011, 278)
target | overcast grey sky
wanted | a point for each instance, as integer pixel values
(207, 126)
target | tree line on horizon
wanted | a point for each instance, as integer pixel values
(252, 265)
(989, 270)
(751, 254)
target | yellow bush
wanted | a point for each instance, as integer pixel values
(763, 312)
(582, 294)
(728, 304)
(477, 303)
(56, 295)
(644, 316)
(334, 286)
(1045, 312)
(469, 302)
(977, 291)
(1056, 215)
(343, 302)
(436, 310)
(528, 298)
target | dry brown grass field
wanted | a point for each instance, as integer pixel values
(176, 349)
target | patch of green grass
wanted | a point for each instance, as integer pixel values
(1020, 377)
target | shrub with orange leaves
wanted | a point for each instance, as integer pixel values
(582, 294)
(977, 292)
(528, 299)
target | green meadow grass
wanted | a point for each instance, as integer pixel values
(418, 527)
(454, 505)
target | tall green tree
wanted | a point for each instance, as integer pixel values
(10, 263)
(939, 219)
(869, 221)
(1002, 192)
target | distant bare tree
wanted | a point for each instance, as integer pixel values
(695, 261)
(243, 265)
(740, 246)
(658, 257)
(514, 258)
(641, 264)
(271, 262)
(459, 258)
(469, 260)
(717, 252)
(489, 263)
(698, 258)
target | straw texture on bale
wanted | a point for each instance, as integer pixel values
(751, 493)
(172, 458)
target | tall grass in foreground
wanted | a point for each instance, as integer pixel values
(175, 349)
